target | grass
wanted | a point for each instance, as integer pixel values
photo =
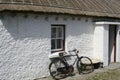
(108, 75)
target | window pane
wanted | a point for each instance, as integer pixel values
(59, 43)
(57, 37)
(53, 33)
(52, 44)
(59, 32)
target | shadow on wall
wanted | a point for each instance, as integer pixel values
(23, 42)
(81, 28)
(28, 43)
(20, 27)
(81, 37)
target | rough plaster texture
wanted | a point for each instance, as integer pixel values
(80, 36)
(101, 43)
(105, 45)
(118, 44)
(98, 42)
(25, 43)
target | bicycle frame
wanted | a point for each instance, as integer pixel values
(64, 60)
(63, 67)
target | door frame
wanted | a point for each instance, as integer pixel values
(114, 43)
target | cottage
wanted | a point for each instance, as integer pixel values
(30, 30)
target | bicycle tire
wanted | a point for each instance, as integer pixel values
(55, 74)
(85, 65)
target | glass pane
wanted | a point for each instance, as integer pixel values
(59, 33)
(59, 43)
(52, 44)
(53, 33)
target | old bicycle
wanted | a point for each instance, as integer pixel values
(60, 68)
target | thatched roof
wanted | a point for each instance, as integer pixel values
(100, 8)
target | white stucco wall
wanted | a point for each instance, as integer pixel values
(98, 42)
(25, 43)
(118, 44)
(101, 43)
(80, 36)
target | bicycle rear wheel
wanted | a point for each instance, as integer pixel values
(53, 69)
(85, 65)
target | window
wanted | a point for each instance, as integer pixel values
(57, 37)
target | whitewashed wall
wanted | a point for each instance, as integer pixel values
(25, 43)
(118, 44)
(98, 42)
(101, 43)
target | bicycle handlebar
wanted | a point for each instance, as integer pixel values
(74, 50)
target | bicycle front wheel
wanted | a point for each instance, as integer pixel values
(53, 69)
(85, 65)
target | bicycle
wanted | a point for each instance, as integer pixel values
(59, 67)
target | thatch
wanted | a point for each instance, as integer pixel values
(100, 8)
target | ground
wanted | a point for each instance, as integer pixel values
(112, 72)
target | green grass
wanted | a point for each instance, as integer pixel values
(109, 75)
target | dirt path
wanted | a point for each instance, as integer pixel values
(111, 69)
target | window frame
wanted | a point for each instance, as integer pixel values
(63, 37)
